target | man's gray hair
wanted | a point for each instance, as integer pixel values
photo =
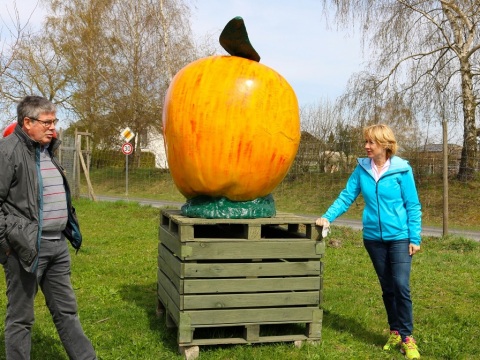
(33, 107)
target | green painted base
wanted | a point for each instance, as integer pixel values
(222, 208)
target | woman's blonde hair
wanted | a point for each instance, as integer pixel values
(381, 134)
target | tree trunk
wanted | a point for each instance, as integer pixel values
(468, 161)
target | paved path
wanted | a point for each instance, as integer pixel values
(354, 224)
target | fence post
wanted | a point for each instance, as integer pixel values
(60, 149)
(445, 177)
(76, 167)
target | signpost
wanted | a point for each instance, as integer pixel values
(127, 149)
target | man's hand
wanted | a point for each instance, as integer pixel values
(412, 249)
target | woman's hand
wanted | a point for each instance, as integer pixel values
(322, 222)
(412, 249)
(325, 224)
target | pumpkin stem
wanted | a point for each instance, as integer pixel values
(234, 39)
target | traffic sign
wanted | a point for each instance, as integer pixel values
(127, 148)
(127, 134)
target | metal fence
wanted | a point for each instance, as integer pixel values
(109, 166)
(310, 186)
(66, 155)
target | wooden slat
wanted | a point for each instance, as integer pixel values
(222, 286)
(252, 332)
(253, 232)
(233, 232)
(170, 240)
(314, 328)
(320, 248)
(183, 227)
(255, 300)
(170, 290)
(240, 272)
(226, 317)
(186, 232)
(279, 218)
(171, 260)
(185, 329)
(170, 273)
(172, 310)
(239, 341)
(238, 269)
(239, 249)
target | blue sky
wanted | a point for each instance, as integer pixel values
(290, 36)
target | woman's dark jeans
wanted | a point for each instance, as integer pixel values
(392, 264)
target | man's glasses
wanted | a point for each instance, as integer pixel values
(45, 123)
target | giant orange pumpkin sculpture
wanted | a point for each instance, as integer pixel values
(231, 125)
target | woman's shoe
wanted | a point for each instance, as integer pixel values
(409, 348)
(394, 341)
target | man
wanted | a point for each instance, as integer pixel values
(36, 216)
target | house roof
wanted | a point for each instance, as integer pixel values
(306, 136)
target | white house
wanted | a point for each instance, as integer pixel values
(156, 146)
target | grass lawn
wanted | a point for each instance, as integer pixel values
(115, 276)
(307, 194)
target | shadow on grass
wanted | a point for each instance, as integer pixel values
(43, 347)
(145, 297)
(346, 324)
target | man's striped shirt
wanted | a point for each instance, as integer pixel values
(55, 213)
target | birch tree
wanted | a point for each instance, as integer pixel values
(417, 46)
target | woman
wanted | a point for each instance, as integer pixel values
(391, 227)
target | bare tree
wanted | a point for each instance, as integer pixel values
(77, 29)
(121, 56)
(319, 123)
(12, 34)
(150, 42)
(416, 44)
(36, 69)
(107, 61)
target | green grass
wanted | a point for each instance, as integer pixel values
(306, 194)
(115, 276)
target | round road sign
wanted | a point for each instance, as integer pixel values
(127, 148)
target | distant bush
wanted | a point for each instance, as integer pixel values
(101, 159)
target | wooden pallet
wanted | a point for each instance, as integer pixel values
(252, 273)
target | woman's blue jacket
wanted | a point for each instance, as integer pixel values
(392, 209)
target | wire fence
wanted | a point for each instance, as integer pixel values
(312, 183)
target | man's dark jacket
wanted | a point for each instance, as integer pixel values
(21, 198)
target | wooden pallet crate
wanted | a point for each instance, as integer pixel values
(247, 273)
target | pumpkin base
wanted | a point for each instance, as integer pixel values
(208, 207)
